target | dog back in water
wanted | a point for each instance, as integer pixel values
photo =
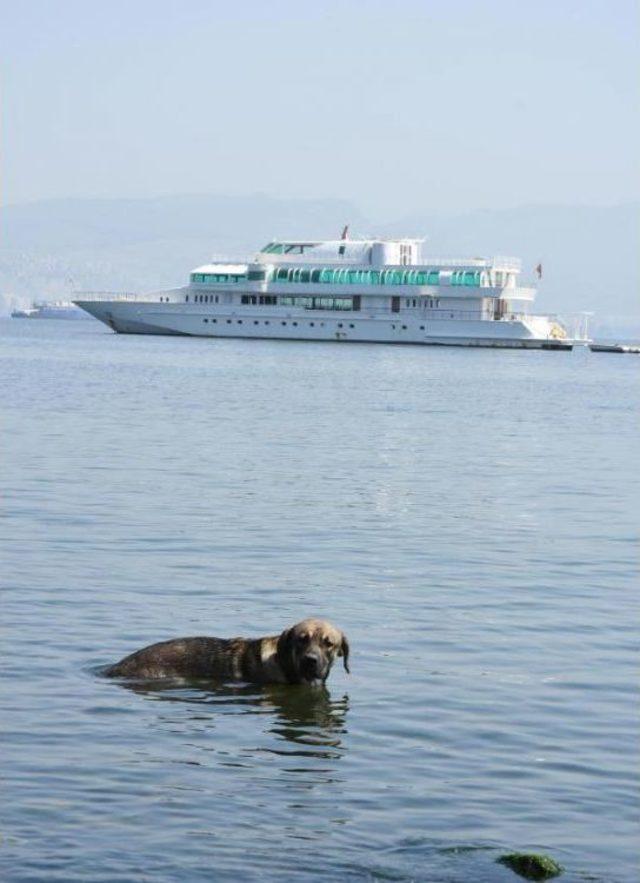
(302, 654)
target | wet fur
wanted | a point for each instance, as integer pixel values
(278, 659)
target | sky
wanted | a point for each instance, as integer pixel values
(405, 106)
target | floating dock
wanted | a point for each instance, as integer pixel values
(614, 348)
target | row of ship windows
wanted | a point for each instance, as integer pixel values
(309, 303)
(344, 276)
(268, 300)
(286, 248)
(267, 322)
(422, 302)
(322, 303)
(218, 277)
(295, 324)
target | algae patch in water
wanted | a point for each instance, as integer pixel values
(531, 865)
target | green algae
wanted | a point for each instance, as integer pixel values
(531, 865)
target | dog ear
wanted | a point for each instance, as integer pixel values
(344, 652)
(284, 654)
(285, 644)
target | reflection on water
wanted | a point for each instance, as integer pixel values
(307, 717)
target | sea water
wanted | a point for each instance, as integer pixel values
(468, 517)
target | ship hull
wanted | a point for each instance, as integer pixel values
(198, 320)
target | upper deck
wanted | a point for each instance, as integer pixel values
(372, 253)
(362, 263)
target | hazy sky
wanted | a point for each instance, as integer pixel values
(399, 106)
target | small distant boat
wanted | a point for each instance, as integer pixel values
(59, 309)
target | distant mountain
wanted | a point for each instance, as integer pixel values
(82, 224)
(50, 248)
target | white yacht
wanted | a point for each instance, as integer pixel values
(352, 290)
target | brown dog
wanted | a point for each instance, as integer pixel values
(302, 654)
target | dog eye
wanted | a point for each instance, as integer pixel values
(302, 639)
(328, 642)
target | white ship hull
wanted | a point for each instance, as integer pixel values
(206, 320)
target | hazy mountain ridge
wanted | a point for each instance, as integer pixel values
(51, 248)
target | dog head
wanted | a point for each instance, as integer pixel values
(308, 649)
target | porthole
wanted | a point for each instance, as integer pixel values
(266, 322)
(214, 321)
(228, 321)
(404, 327)
(283, 323)
(239, 321)
(294, 323)
(340, 325)
(312, 324)
(205, 320)
(255, 322)
(351, 326)
(422, 328)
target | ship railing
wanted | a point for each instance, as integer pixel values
(312, 259)
(108, 295)
(233, 259)
(576, 324)
(438, 313)
(454, 263)
(499, 262)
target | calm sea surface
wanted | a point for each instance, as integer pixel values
(468, 517)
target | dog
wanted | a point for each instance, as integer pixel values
(302, 654)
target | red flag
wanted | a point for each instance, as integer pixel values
(344, 232)
(539, 271)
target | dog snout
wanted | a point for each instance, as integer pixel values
(311, 664)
